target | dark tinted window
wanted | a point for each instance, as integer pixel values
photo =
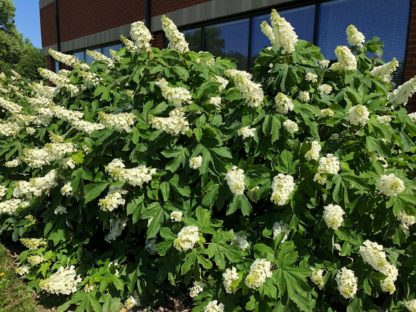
(193, 37)
(229, 39)
(302, 20)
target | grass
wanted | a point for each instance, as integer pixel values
(15, 296)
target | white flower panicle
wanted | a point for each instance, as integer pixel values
(222, 81)
(214, 306)
(252, 92)
(187, 237)
(141, 36)
(385, 71)
(40, 157)
(327, 112)
(136, 176)
(9, 129)
(235, 180)
(10, 106)
(333, 216)
(282, 187)
(311, 77)
(196, 289)
(247, 132)
(390, 185)
(176, 39)
(112, 200)
(313, 153)
(58, 80)
(176, 96)
(229, 277)
(67, 190)
(355, 38)
(119, 122)
(406, 221)
(175, 124)
(240, 239)
(36, 186)
(358, 115)
(216, 101)
(67, 59)
(412, 116)
(33, 243)
(60, 210)
(10, 207)
(346, 60)
(317, 277)
(284, 104)
(130, 303)
(410, 305)
(402, 94)
(260, 270)
(3, 191)
(281, 228)
(325, 88)
(98, 56)
(290, 126)
(62, 282)
(195, 162)
(35, 259)
(327, 165)
(176, 216)
(22, 270)
(86, 126)
(385, 119)
(323, 63)
(130, 46)
(267, 31)
(347, 283)
(285, 37)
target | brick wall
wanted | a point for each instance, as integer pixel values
(158, 39)
(164, 6)
(47, 24)
(410, 65)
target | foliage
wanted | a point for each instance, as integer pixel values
(217, 200)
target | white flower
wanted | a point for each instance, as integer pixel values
(304, 96)
(291, 126)
(35, 260)
(325, 88)
(410, 305)
(40, 157)
(222, 81)
(174, 125)
(333, 216)
(36, 186)
(66, 190)
(176, 39)
(358, 115)
(247, 132)
(67, 59)
(12, 163)
(323, 63)
(317, 277)
(311, 77)
(260, 270)
(412, 116)
(22, 270)
(10, 106)
(267, 31)
(385, 71)
(119, 122)
(346, 60)
(251, 91)
(195, 162)
(112, 200)
(176, 216)
(176, 96)
(30, 130)
(240, 239)
(59, 80)
(100, 57)
(187, 237)
(282, 187)
(229, 277)
(33, 243)
(355, 38)
(284, 104)
(313, 153)
(390, 185)
(329, 164)
(285, 38)
(130, 46)
(406, 221)
(136, 176)
(196, 289)
(3, 191)
(216, 101)
(10, 207)
(235, 180)
(60, 210)
(281, 228)
(385, 119)
(214, 306)
(141, 36)
(347, 283)
(130, 302)
(62, 282)
(402, 94)
(327, 112)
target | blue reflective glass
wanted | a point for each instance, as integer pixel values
(106, 50)
(229, 39)
(302, 20)
(80, 55)
(194, 38)
(387, 19)
(56, 65)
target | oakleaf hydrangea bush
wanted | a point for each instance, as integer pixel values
(159, 174)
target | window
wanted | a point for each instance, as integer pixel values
(106, 50)
(80, 55)
(386, 19)
(302, 20)
(193, 37)
(229, 39)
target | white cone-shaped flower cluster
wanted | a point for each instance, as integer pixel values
(175, 124)
(229, 277)
(333, 216)
(390, 185)
(176, 96)
(187, 237)
(325, 88)
(98, 56)
(317, 277)
(252, 92)
(402, 94)
(67, 59)
(358, 115)
(36, 186)
(10, 106)
(282, 187)
(214, 306)
(313, 153)
(385, 71)
(410, 305)
(59, 80)
(196, 289)
(134, 176)
(354, 37)
(284, 104)
(40, 157)
(63, 282)
(267, 31)
(290, 126)
(176, 39)
(33, 243)
(235, 180)
(112, 201)
(406, 221)
(347, 283)
(176, 216)
(260, 270)
(141, 36)
(195, 162)
(284, 36)
(119, 122)
(281, 228)
(10, 207)
(247, 132)
(346, 59)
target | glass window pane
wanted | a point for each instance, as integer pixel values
(193, 36)
(56, 65)
(229, 39)
(386, 19)
(106, 50)
(80, 55)
(302, 20)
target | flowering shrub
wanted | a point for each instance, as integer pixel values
(168, 173)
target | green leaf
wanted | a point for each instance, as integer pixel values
(165, 189)
(93, 190)
(155, 215)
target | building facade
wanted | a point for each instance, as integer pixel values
(230, 27)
